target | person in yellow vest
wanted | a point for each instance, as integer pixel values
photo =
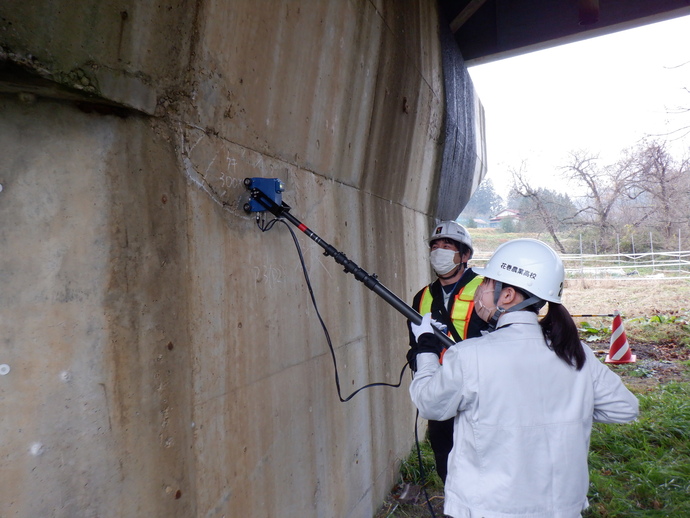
(450, 300)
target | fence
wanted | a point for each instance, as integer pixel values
(629, 266)
(621, 266)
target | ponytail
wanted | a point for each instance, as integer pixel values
(560, 333)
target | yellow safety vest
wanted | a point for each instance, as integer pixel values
(461, 309)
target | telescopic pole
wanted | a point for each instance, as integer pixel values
(370, 281)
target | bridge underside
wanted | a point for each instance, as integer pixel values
(486, 30)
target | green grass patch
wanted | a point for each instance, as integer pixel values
(660, 328)
(637, 470)
(642, 469)
(410, 472)
(486, 240)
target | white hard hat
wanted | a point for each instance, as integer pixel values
(452, 230)
(528, 264)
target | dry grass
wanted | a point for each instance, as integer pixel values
(633, 299)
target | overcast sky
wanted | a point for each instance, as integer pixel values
(601, 95)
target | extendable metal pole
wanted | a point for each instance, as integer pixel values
(370, 281)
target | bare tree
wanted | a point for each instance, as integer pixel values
(523, 188)
(605, 188)
(664, 182)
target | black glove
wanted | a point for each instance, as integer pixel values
(428, 343)
(412, 358)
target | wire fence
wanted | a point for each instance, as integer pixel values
(646, 265)
(620, 266)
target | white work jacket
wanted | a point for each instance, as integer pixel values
(523, 419)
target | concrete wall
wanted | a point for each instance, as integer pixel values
(164, 356)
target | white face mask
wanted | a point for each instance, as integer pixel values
(442, 260)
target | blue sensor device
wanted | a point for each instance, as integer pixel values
(272, 188)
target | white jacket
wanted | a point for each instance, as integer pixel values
(523, 419)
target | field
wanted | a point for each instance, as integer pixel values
(634, 299)
(656, 319)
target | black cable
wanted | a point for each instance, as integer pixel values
(421, 466)
(264, 227)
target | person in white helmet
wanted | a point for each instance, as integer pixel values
(523, 396)
(450, 300)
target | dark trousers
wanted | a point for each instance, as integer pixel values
(440, 435)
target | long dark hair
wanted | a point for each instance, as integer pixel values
(560, 333)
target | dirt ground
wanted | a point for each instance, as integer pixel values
(655, 363)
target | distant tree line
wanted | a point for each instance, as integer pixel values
(645, 193)
(484, 203)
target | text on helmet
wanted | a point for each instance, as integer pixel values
(518, 270)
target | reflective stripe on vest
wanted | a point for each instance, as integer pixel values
(462, 305)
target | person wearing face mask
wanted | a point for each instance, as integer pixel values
(450, 301)
(523, 396)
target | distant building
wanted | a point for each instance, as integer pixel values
(505, 214)
(471, 222)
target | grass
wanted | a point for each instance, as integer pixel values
(411, 473)
(657, 328)
(486, 240)
(637, 470)
(643, 469)
(661, 328)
